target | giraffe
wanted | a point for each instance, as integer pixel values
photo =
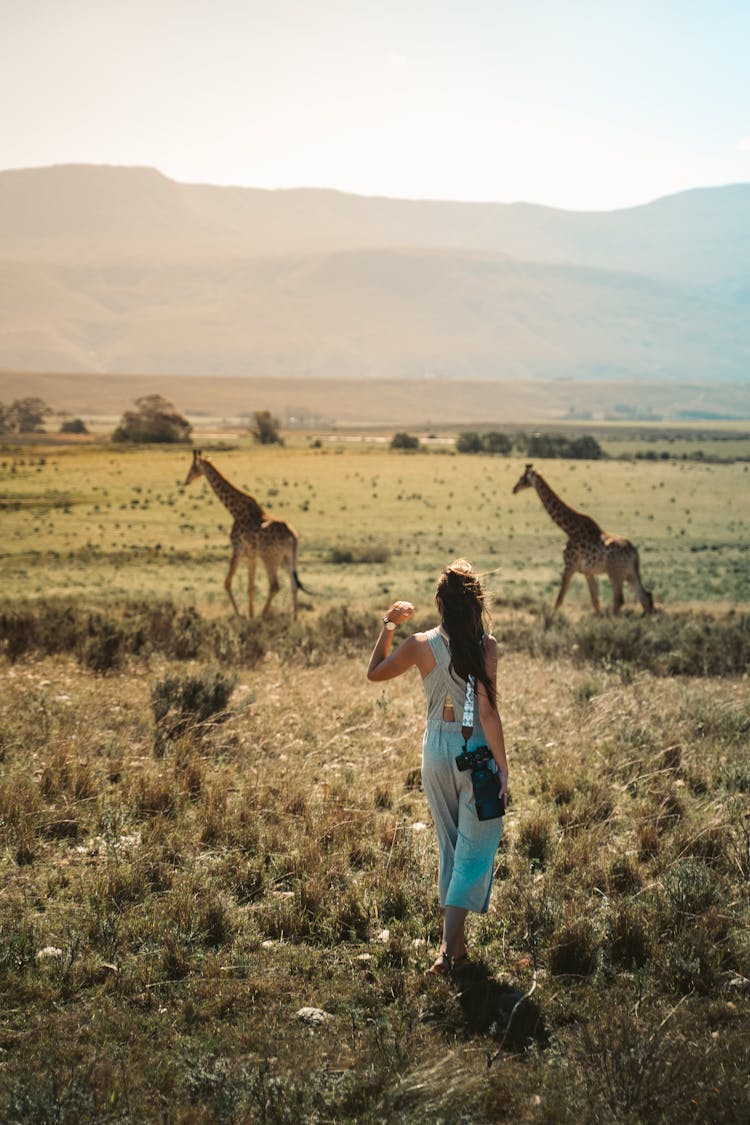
(589, 549)
(254, 533)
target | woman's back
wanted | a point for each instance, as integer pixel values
(441, 684)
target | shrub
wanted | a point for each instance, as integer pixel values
(24, 416)
(695, 958)
(403, 440)
(690, 887)
(103, 650)
(74, 426)
(495, 442)
(557, 445)
(627, 1066)
(18, 946)
(184, 704)
(627, 941)
(574, 949)
(266, 428)
(154, 420)
(469, 442)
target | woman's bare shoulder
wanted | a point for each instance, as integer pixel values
(425, 658)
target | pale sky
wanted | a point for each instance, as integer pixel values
(581, 104)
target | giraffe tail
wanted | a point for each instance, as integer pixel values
(298, 584)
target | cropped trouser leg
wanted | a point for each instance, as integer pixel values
(466, 845)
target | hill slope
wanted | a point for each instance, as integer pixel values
(121, 269)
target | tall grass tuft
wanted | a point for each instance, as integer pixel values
(183, 705)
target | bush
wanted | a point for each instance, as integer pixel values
(469, 442)
(185, 704)
(573, 950)
(24, 416)
(74, 426)
(402, 440)
(154, 420)
(266, 428)
(495, 442)
(557, 445)
(103, 650)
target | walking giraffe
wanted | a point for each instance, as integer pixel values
(254, 534)
(589, 549)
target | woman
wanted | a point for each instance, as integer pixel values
(446, 657)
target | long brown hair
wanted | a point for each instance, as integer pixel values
(465, 620)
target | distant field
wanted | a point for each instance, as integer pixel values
(108, 523)
(395, 403)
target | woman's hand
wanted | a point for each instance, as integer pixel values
(400, 612)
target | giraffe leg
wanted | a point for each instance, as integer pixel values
(567, 575)
(250, 585)
(617, 595)
(273, 586)
(293, 582)
(645, 597)
(594, 591)
(228, 582)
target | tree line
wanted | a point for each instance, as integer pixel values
(154, 419)
(535, 445)
(526, 445)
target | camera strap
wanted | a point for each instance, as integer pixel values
(467, 722)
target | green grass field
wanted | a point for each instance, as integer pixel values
(108, 524)
(209, 826)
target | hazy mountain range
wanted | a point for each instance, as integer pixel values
(106, 269)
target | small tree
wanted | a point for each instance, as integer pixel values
(586, 448)
(403, 440)
(266, 428)
(155, 419)
(495, 442)
(469, 442)
(74, 426)
(26, 416)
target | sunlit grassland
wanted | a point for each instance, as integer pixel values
(110, 524)
(165, 916)
(170, 905)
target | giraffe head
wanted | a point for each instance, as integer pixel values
(196, 469)
(527, 479)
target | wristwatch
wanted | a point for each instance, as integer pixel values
(390, 625)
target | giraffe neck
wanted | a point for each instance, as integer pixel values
(239, 503)
(564, 516)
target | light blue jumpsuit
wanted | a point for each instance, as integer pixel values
(466, 844)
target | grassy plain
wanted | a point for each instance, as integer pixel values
(108, 524)
(172, 903)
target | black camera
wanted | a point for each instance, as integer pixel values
(486, 783)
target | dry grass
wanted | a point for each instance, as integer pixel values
(179, 881)
(163, 918)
